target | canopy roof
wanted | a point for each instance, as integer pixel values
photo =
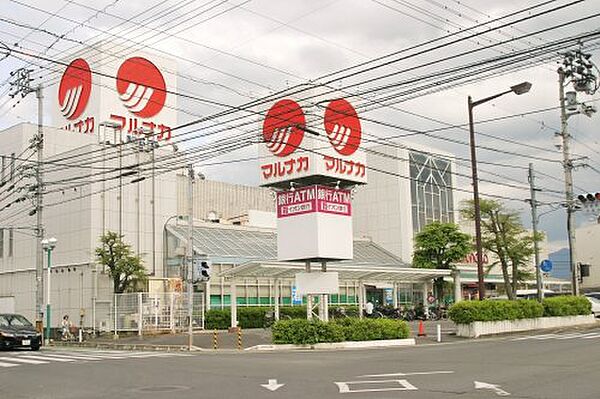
(347, 271)
(254, 252)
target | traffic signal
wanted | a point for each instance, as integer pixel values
(201, 270)
(589, 199)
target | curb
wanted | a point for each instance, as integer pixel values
(391, 343)
(127, 347)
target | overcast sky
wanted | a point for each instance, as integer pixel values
(233, 51)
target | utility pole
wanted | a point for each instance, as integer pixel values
(190, 255)
(568, 167)
(578, 70)
(534, 223)
(21, 84)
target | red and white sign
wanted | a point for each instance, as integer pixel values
(141, 87)
(314, 199)
(283, 129)
(130, 95)
(332, 154)
(74, 89)
(343, 127)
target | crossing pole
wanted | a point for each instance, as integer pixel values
(534, 222)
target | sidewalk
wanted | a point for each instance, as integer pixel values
(226, 340)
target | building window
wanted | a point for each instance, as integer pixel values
(431, 190)
(11, 242)
(1, 243)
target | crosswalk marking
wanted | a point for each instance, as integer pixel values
(560, 337)
(54, 359)
(21, 360)
(69, 357)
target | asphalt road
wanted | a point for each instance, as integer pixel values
(563, 365)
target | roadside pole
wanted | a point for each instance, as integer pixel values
(534, 223)
(190, 255)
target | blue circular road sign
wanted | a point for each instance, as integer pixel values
(546, 265)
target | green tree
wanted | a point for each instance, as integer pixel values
(124, 268)
(503, 234)
(440, 246)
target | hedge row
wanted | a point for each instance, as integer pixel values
(254, 317)
(469, 311)
(567, 306)
(308, 332)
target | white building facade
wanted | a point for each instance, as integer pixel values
(396, 205)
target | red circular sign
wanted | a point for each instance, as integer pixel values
(141, 87)
(343, 127)
(74, 89)
(283, 129)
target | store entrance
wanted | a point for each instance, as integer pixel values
(374, 295)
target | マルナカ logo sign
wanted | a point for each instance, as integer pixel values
(343, 127)
(141, 87)
(283, 128)
(74, 89)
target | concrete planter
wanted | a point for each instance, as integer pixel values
(479, 328)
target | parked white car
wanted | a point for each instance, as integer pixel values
(595, 305)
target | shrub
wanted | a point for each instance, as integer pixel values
(373, 329)
(252, 317)
(293, 312)
(567, 306)
(249, 317)
(306, 332)
(469, 311)
(217, 319)
(301, 331)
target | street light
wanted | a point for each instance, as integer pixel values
(48, 245)
(519, 89)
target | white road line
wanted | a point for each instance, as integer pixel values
(569, 336)
(49, 358)
(404, 374)
(74, 357)
(591, 335)
(26, 361)
(8, 364)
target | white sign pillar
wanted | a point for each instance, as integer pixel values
(457, 286)
(309, 302)
(233, 300)
(395, 294)
(277, 294)
(361, 299)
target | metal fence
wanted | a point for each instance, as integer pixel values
(147, 312)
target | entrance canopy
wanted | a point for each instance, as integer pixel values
(359, 271)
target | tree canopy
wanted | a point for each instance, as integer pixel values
(440, 245)
(124, 268)
(503, 234)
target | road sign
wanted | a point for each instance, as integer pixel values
(546, 265)
(296, 298)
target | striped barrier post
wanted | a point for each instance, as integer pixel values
(215, 340)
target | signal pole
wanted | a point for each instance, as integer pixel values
(534, 223)
(21, 84)
(190, 255)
